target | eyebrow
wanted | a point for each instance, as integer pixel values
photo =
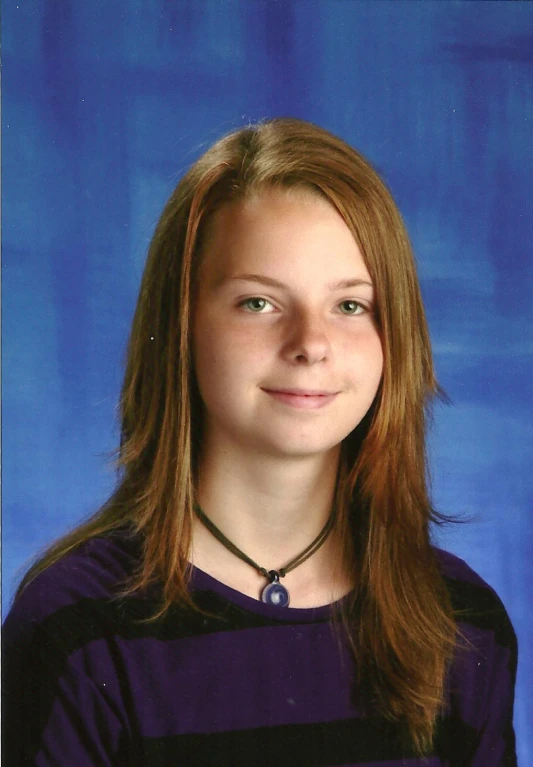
(264, 280)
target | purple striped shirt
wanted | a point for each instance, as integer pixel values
(87, 681)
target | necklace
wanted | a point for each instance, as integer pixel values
(274, 593)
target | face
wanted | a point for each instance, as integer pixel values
(286, 351)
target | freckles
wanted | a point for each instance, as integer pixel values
(364, 361)
(249, 343)
(363, 345)
(232, 354)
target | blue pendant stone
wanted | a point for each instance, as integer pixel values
(275, 594)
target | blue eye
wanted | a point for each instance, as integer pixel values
(354, 306)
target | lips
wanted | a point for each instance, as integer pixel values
(302, 399)
(302, 392)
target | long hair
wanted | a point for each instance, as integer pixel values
(404, 634)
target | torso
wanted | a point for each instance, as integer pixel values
(242, 683)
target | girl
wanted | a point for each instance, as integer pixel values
(261, 588)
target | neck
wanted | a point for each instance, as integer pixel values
(263, 498)
(272, 509)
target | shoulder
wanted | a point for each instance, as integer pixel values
(90, 576)
(61, 689)
(464, 584)
(476, 605)
(455, 568)
(482, 674)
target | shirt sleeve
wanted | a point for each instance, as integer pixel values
(483, 683)
(496, 742)
(53, 711)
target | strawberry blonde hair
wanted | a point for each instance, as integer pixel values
(399, 623)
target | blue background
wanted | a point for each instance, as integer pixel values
(107, 103)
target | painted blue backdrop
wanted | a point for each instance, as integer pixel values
(106, 103)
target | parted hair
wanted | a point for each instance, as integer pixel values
(399, 620)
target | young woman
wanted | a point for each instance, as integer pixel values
(261, 588)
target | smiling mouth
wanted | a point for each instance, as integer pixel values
(302, 392)
(302, 399)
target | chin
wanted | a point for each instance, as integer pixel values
(297, 448)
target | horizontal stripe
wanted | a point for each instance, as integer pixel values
(273, 675)
(481, 608)
(91, 619)
(235, 676)
(347, 742)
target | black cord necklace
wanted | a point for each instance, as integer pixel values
(274, 592)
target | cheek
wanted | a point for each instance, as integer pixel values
(224, 360)
(208, 360)
(378, 357)
(366, 356)
(204, 355)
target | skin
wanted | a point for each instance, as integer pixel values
(268, 467)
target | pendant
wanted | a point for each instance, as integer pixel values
(275, 593)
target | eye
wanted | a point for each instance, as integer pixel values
(255, 304)
(352, 307)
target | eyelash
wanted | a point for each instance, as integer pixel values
(346, 301)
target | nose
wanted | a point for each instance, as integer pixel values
(307, 340)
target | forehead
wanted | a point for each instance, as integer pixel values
(278, 229)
